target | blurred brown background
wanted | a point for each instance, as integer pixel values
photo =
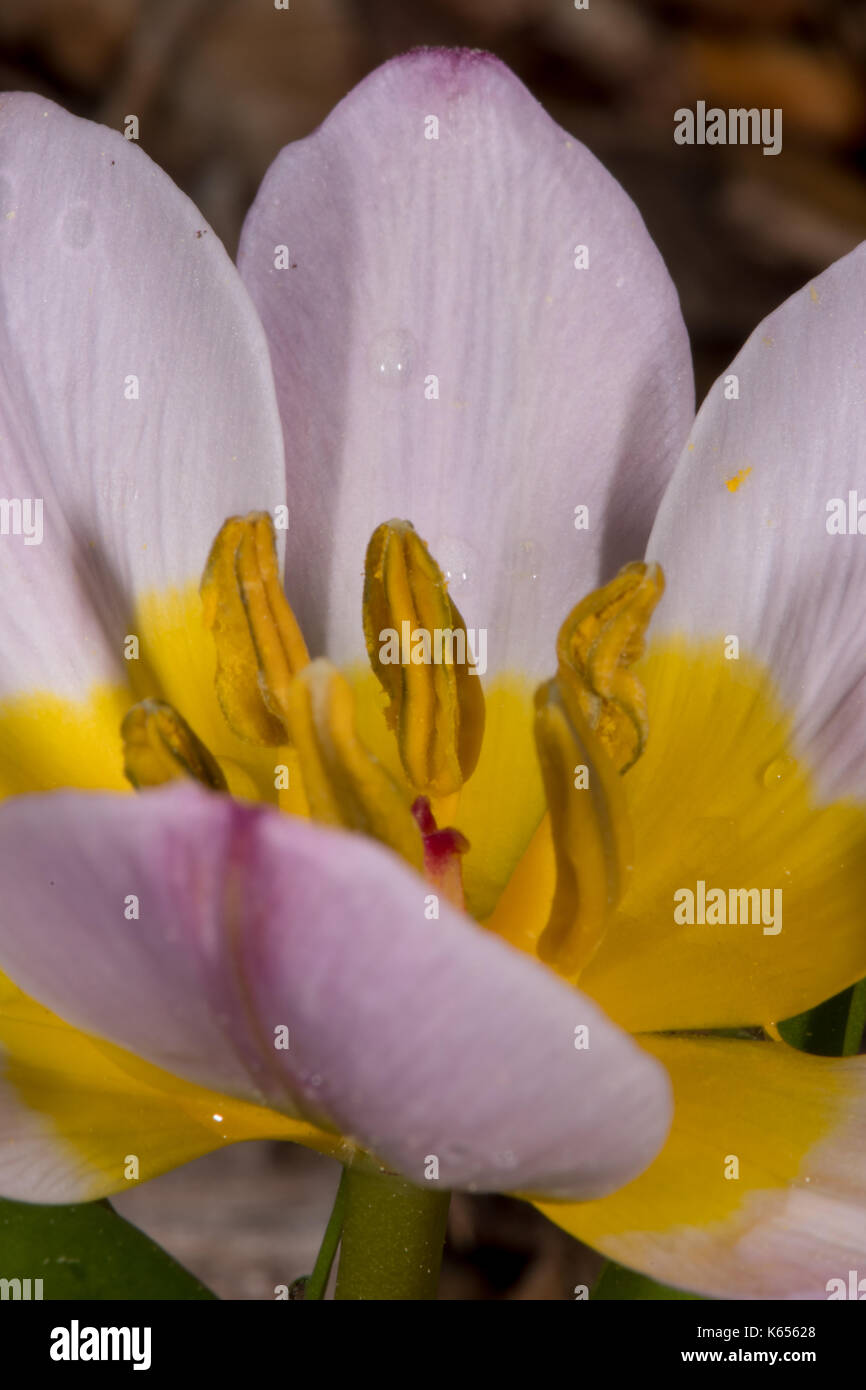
(220, 85)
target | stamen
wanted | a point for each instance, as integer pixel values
(436, 707)
(591, 726)
(601, 637)
(589, 824)
(443, 850)
(344, 784)
(259, 645)
(159, 746)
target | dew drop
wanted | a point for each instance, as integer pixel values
(779, 770)
(457, 560)
(392, 356)
(529, 561)
(77, 226)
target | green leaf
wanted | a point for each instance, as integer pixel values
(617, 1282)
(88, 1252)
(832, 1029)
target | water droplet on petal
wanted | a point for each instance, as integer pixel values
(779, 770)
(77, 226)
(392, 356)
(529, 560)
(457, 560)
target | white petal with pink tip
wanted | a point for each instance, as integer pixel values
(136, 398)
(443, 355)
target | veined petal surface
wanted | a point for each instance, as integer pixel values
(749, 531)
(303, 970)
(136, 398)
(471, 329)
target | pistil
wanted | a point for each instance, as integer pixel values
(443, 852)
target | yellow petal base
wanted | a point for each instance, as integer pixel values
(762, 1135)
(732, 809)
(104, 1106)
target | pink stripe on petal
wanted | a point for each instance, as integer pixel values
(417, 1037)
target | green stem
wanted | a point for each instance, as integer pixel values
(318, 1280)
(393, 1234)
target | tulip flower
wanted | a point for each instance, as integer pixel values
(487, 931)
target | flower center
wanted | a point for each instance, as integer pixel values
(590, 718)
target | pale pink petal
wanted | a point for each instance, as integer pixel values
(742, 532)
(415, 1036)
(412, 258)
(108, 273)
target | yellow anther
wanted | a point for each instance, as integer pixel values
(344, 784)
(159, 746)
(589, 823)
(598, 641)
(259, 646)
(420, 652)
(590, 727)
